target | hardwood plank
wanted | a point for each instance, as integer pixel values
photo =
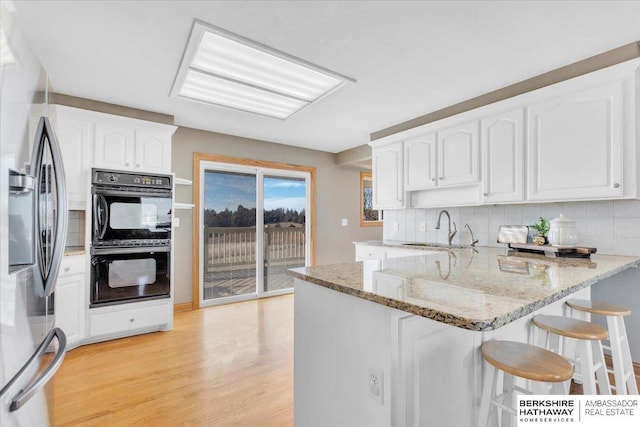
(228, 365)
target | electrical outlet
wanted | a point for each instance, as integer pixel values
(345, 222)
(423, 226)
(376, 384)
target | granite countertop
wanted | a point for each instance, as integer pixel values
(74, 250)
(473, 288)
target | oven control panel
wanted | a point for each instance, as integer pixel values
(121, 178)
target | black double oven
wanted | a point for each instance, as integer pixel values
(131, 237)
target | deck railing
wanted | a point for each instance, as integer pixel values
(237, 245)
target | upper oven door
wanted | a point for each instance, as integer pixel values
(130, 215)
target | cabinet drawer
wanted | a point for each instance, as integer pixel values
(128, 320)
(369, 252)
(71, 265)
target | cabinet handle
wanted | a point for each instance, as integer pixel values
(441, 178)
(132, 320)
(486, 194)
(67, 269)
(616, 185)
(137, 165)
(126, 164)
(433, 179)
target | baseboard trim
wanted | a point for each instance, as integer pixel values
(183, 306)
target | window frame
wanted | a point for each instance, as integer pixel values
(367, 176)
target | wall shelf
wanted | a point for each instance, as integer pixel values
(183, 205)
(182, 181)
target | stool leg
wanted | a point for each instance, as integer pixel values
(507, 387)
(586, 367)
(621, 355)
(601, 373)
(488, 393)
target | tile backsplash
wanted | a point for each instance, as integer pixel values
(75, 228)
(611, 226)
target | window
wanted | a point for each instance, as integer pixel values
(369, 217)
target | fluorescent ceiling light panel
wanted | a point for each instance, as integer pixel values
(6, 54)
(227, 70)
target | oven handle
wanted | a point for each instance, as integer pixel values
(165, 194)
(104, 207)
(129, 250)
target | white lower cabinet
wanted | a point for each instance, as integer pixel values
(116, 321)
(69, 298)
(371, 252)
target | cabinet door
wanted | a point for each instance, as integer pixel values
(575, 145)
(458, 155)
(153, 151)
(387, 176)
(69, 306)
(114, 147)
(74, 138)
(503, 157)
(420, 162)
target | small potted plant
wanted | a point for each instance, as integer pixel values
(541, 229)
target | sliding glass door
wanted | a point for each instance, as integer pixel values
(254, 227)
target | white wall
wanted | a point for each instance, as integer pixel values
(613, 227)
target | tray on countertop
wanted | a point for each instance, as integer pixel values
(558, 251)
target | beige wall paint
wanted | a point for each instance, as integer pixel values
(337, 197)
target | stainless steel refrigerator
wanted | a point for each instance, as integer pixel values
(37, 208)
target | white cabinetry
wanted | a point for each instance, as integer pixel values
(503, 157)
(420, 162)
(69, 298)
(135, 318)
(458, 155)
(129, 146)
(371, 252)
(575, 145)
(387, 176)
(74, 139)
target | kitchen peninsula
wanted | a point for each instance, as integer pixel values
(395, 342)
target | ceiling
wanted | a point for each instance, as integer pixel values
(409, 58)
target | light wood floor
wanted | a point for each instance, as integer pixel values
(230, 365)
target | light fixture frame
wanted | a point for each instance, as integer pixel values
(199, 28)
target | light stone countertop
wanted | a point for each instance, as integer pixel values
(473, 288)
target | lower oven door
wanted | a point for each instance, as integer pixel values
(122, 275)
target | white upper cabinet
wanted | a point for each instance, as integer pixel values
(503, 157)
(420, 162)
(575, 145)
(387, 176)
(153, 151)
(458, 155)
(130, 146)
(74, 138)
(114, 147)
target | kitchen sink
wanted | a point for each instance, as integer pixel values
(436, 245)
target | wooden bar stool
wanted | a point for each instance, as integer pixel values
(618, 341)
(513, 359)
(589, 348)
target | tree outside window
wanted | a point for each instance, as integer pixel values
(369, 217)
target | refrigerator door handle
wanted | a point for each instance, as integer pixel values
(24, 395)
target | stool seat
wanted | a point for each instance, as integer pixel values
(572, 328)
(527, 361)
(601, 308)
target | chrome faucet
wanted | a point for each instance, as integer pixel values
(451, 233)
(473, 241)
